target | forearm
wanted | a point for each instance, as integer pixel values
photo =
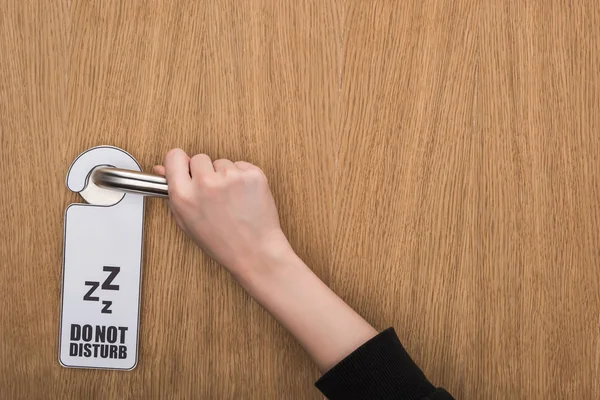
(229, 211)
(326, 327)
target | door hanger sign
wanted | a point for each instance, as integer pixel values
(102, 268)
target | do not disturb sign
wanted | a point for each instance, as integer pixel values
(101, 271)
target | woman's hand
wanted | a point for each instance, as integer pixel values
(226, 208)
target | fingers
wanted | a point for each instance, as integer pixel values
(224, 165)
(177, 169)
(201, 164)
(250, 168)
(178, 166)
(159, 170)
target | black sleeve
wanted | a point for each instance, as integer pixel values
(380, 369)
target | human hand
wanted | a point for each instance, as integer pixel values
(227, 208)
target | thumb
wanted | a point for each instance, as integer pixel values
(159, 170)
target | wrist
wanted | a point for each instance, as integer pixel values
(273, 258)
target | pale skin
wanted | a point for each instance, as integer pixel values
(228, 210)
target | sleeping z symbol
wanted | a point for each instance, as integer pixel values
(106, 285)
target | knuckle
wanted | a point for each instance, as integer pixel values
(231, 175)
(172, 153)
(218, 163)
(211, 182)
(256, 175)
(198, 157)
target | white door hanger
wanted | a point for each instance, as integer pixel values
(102, 267)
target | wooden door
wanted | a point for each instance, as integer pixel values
(435, 162)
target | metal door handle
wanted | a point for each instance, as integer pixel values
(131, 181)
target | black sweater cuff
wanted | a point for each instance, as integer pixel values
(379, 369)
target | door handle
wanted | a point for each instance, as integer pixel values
(131, 181)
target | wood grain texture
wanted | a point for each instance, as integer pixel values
(406, 179)
(435, 162)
